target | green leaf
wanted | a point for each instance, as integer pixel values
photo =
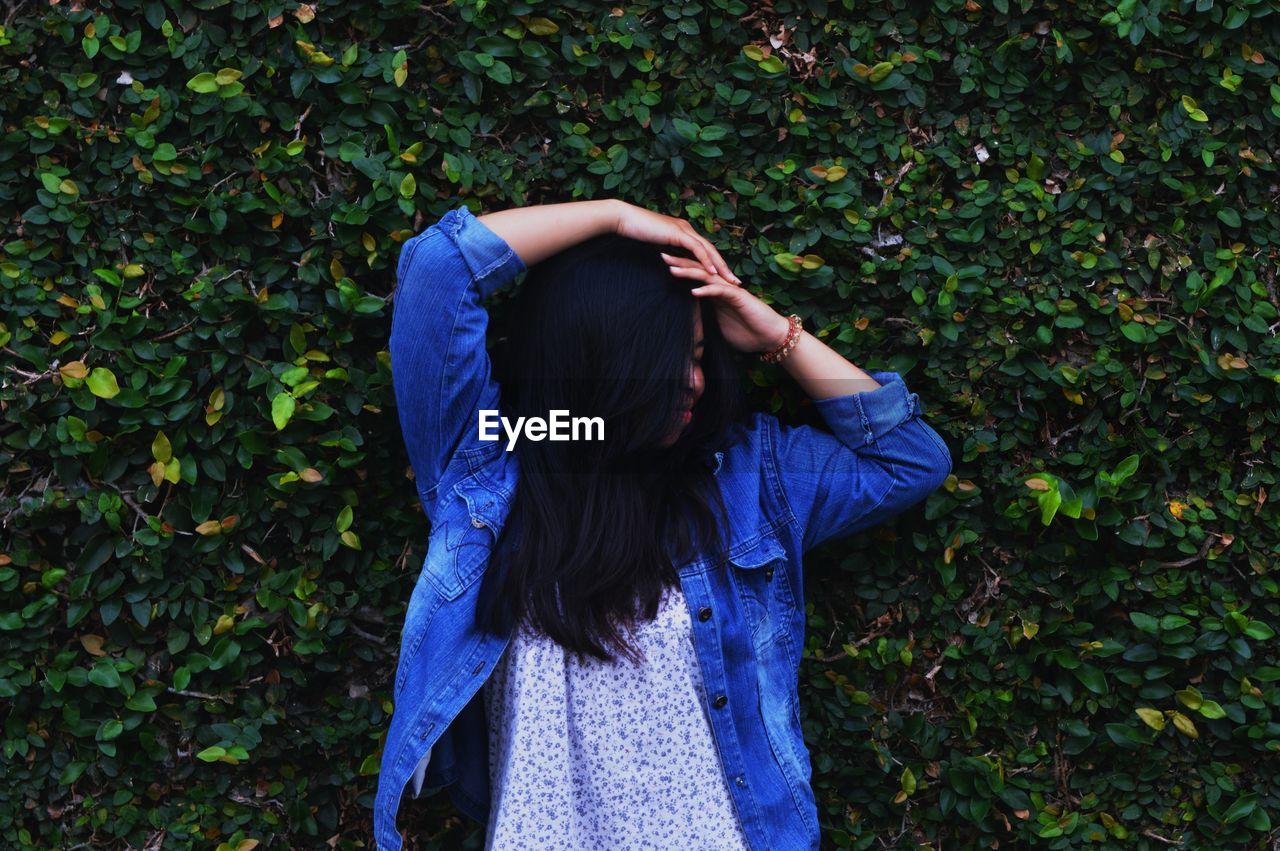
(771, 65)
(1212, 709)
(1127, 737)
(1134, 331)
(203, 83)
(1259, 630)
(1035, 168)
(212, 754)
(72, 773)
(102, 383)
(1144, 622)
(408, 186)
(1229, 216)
(1092, 677)
(879, 71)
(1243, 806)
(104, 674)
(282, 408)
(141, 701)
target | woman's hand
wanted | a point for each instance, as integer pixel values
(747, 323)
(648, 226)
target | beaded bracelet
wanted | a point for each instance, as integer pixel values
(793, 336)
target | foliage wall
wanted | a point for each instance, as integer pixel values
(1057, 220)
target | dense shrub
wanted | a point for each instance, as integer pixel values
(1057, 220)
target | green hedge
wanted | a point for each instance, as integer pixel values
(1057, 220)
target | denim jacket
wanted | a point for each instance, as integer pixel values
(787, 489)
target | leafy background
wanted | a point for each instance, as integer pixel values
(1057, 220)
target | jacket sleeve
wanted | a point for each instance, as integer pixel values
(440, 367)
(879, 460)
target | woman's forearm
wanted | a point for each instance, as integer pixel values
(822, 373)
(539, 231)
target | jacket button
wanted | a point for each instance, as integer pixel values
(721, 700)
(768, 574)
(704, 613)
(479, 524)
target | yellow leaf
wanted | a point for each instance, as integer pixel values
(754, 53)
(1151, 717)
(161, 450)
(225, 622)
(93, 644)
(1184, 725)
(209, 527)
(1189, 697)
(305, 13)
(134, 270)
(311, 474)
(543, 26)
(74, 369)
(1037, 484)
(836, 172)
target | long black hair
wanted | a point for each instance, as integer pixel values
(596, 527)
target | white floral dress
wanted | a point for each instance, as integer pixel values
(606, 755)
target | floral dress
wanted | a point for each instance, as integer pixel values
(606, 755)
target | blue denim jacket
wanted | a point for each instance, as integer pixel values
(787, 489)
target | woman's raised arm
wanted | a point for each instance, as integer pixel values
(537, 232)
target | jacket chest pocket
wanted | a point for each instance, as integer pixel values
(759, 576)
(470, 529)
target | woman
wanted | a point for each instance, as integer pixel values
(674, 538)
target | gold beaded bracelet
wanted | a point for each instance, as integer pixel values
(793, 336)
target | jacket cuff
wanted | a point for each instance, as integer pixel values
(861, 418)
(493, 263)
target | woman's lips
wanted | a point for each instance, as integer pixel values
(686, 417)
